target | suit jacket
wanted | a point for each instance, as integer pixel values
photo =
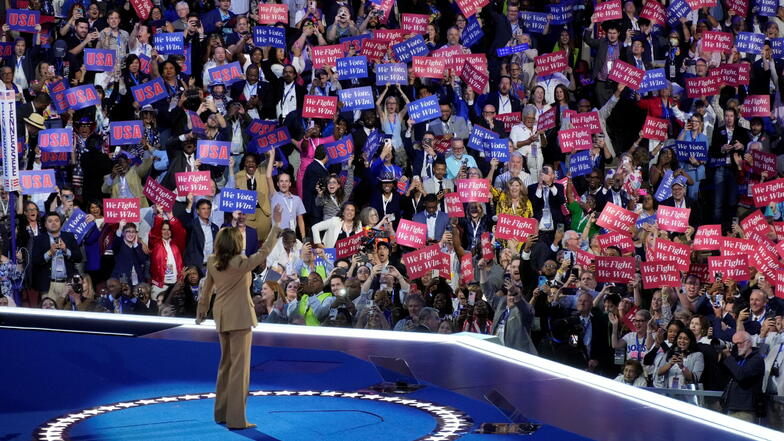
(555, 201)
(418, 163)
(694, 215)
(431, 186)
(494, 98)
(459, 127)
(252, 240)
(277, 94)
(133, 178)
(720, 138)
(517, 329)
(314, 173)
(601, 45)
(600, 346)
(42, 269)
(760, 78)
(233, 308)
(211, 17)
(238, 87)
(442, 221)
(194, 246)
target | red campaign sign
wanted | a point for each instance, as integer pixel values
(587, 121)
(744, 74)
(448, 52)
(471, 7)
(389, 36)
(734, 245)
(623, 241)
(510, 119)
(768, 192)
(546, 120)
(672, 218)
(326, 55)
(739, 6)
(467, 268)
(669, 251)
(316, 106)
(416, 23)
(627, 74)
(476, 78)
(473, 190)
(778, 227)
(488, 253)
(573, 140)
(614, 269)
(374, 49)
(420, 262)
(441, 144)
(733, 267)
(117, 210)
(454, 208)
(654, 11)
(755, 223)
(551, 63)
(271, 13)
(756, 105)
(629, 317)
(700, 270)
(159, 195)
(716, 41)
(766, 262)
(609, 10)
(457, 63)
(780, 249)
(763, 162)
(708, 238)
(729, 73)
(515, 227)
(349, 246)
(659, 274)
(196, 183)
(584, 258)
(699, 4)
(429, 67)
(411, 234)
(655, 128)
(616, 218)
(780, 283)
(697, 87)
(142, 8)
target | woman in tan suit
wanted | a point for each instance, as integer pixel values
(251, 177)
(229, 279)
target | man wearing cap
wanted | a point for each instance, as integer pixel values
(39, 105)
(680, 200)
(387, 202)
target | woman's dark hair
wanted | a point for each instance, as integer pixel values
(674, 164)
(635, 365)
(128, 61)
(565, 92)
(339, 193)
(169, 61)
(228, 244)
(356, 213)
(249, 155)
(692, 343)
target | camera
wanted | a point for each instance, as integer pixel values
(76, 284)
(774, 370)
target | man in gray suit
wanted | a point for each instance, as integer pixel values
(450, 126)
(513, 321)
(439, 184)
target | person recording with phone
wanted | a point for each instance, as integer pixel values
(54, 256)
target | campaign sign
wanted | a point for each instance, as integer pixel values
(77, 225)
(198, 127)
(716, 41)
(654, 11)
(472, 32)
(698, 4)
(664, 190)
(159, 195)
(55, 140)
(82, 97)
(645, 220)
(486, 241)
(316, 106)
(653, 80)
(622, 241)
(429, 67)
(697, 87)
(479, 136)
(144, 63)
(498, 149)
(588, 121)
(100, 60)
(196, 183)
(457, 63)
(551, 63)
(749, 42)
(54, 159)
(269, 36)
(392, 73)
(687, 149)
(454, 208)
(259, 127)
(546, 120)
(372, 144)
(171, 43)
(768, 192)
(475, 78)
(142, 8)
(756, 105)
(574, 139)
(767, 8)
(510, 119)
(534, 21)
(411, 234)
(414, 46)
(732, 267)
(510, 50)
(339, 151)
(763, 162)
(473, 190)
(22, 20)
(354, 43)
(149, 92)
(352, 67)
(425, 109)
(213, 152)
(271, 13)
(708, 238)
(625, 73)
(6, 48)
(609, 10)
(777, 45)
(561, 12)
(357, 98)
(655, 128)
(467, 268)
(614, 269)
(326, 55)
(515, 227)
(740, 7)
(672, 218)
(125, 132)
(616, 218)
(676, 10)
(670, 251)
(470, 7)
(233, 199)
(755, 223)
(116, 210)
(227, 74)
(416, 23)
(422, 261)
(374, 49)
(37, 181)
(580, 164)
(659, 275)
(389, 36)
(273, 139)
(349, 246)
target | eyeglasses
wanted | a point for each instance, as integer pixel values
(638, 321)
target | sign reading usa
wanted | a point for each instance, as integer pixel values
(82, 97)
(339, 151)
(100, 60)
(125, 132)
(149, 92)
(213, 152)
(57, 92)
(173, 43)
(37, 181)
(259, 127)
(227, 74)
(22, 20)
(55, 140)
(273, 139)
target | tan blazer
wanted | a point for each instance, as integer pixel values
(233, 307)
(134, 178)
(260, 219)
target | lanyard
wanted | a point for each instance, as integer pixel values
(133, 77)
(289, 204)
(286, 94)
(385, 202)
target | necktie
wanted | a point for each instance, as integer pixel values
(440, 189)
(191, 163)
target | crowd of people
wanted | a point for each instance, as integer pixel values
(644, 248)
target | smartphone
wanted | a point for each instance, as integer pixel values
(560, 228)
(735, 220)
(717, 300)
(472, 298)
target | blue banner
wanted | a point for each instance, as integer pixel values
(424, 109)
(509, 50)
(331, 254)
(357, 98)
(561, 12)
(580, 163)
(22, 20)
(676, 10)
(172, 43)
(57, 93)
(646, 220)
(687, 149)
(391, 73)
(188, 63)
(479, 137)
(777, 46)
(227, 74)
(653, 80)
(414, 46)
(56, 140)
(665, 186)
(472, 32)
(126, 132)
(749, 42)
(352, 67)
(497, 148)
(372, 144)
(233, 199)
(269, 36)
(49, 159)
(259, 127)
(213, 152)
(37, 181)
(275, 138)
(534, 21)
(149, 92)
(77, 224)
(99, 60)
(6, 48)
(767, 8)
(82, 97)
(339, 151)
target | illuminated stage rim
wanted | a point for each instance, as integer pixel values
(450, 422)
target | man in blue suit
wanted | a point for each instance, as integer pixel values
(436, 221)
(201, 235)
(251, 236)
(218, 19)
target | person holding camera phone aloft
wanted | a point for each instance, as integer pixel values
(54, 257)
(684, 363)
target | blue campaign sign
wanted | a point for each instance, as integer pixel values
(37, 181)
(55, 140)
(498, 149)
(580, 163)
(22, 20)
(472, 32)
(354, 42)
(172, 43)
(259, 127)
(99, 60)
(188, 64)
(357, 98)
(213, 152)
(77, 224)
(749, 42)
(227, 74)
(372, 144)
(6, 48)
(653, 80)
(561, 12)
(57, 92)
(676, 10)
(391, 73)
(232, 199)
(509, 50)
(149, 92)
(424, 109)
(339, 151)
(534, 21)
(767, 8)
(479, 137)
(646, 220)
(269, 36)
(352, 67)
(126, 132)
(687, 149)
(665, 186)
(331, 254)
(414, 46)
(82, 97)
(275, 138)
(777, 46)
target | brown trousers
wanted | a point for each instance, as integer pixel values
(231, 391)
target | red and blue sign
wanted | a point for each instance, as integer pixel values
(269, 140)
(144, 63)
(37, 181)
(51, 159)
(149, 92)
(259, 127)
(22, 20)
(6, 48)
(55, 140)
(172, 43)
(265, 36)
(82, 97)
(227, 74)
(57, 92)
(197, 125)
(100, 60)
(213, 152)
(126, 132)
(339, 151)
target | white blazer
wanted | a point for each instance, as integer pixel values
(331, 229)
